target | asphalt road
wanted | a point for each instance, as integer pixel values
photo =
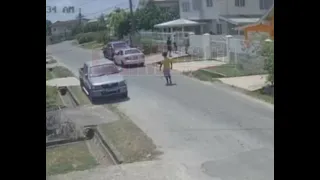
(212, 130)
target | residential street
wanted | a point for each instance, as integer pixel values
(207, 128)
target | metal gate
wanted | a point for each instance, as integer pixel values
(218, 50)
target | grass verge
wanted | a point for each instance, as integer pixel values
(203, 75)
(231, 70)
(61, 72)
(67, 158)
(80, 95)
(91, 45)
(260, 95)
(52, 97)
(131, 142)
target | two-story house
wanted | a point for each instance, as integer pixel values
(222, 16)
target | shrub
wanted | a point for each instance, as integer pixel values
(267, 51)
(100, 37)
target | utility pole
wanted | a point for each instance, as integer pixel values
(80, 16)
(132, 28)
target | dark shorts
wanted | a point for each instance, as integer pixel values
(169, 48)
(166, 72)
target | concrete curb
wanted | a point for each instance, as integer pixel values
(109, 145)
(55, 143)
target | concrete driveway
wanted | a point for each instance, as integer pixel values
(210, 129)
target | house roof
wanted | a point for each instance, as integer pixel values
(66, 23)
(264, 17)
(177, 23)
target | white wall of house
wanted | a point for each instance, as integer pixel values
(244, 7)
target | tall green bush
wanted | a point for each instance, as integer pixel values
(267, 51)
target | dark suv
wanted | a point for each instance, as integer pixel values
(113, 47)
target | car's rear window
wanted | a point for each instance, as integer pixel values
(132, 51)
(120, 45)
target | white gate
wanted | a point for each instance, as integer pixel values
(218, 50)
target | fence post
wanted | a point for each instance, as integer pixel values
(206, 45)
(228, 47)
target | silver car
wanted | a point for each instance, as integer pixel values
(102, 78)
(129, 56)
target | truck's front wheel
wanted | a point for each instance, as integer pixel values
(81, 83)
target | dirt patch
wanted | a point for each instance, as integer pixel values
(131, 142)
(67, 158)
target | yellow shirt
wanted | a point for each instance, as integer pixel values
(166, 63)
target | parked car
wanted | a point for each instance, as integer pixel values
(129, 56)
(102, 78)
(113, 47)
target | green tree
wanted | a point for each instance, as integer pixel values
(48, 28)
(267, 51)
(151, 15)
(118, 22)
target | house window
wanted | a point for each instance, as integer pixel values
(265, 4)
(196, 5)
(209, 3)
(240, 3)
(185, 6)
(219, 28)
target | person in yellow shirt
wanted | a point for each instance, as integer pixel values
(167, 66)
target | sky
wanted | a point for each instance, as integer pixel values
(89, 8)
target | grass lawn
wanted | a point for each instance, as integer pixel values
(131, 142)
(61, 72)
(67, 158)
(91, 45)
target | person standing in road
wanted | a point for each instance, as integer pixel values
(167, 66)
(169, 46)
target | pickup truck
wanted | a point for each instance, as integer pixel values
(113, 47)
(102, 78)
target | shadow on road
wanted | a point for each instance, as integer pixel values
(173, 84)
(109, 100)
(132, 66)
